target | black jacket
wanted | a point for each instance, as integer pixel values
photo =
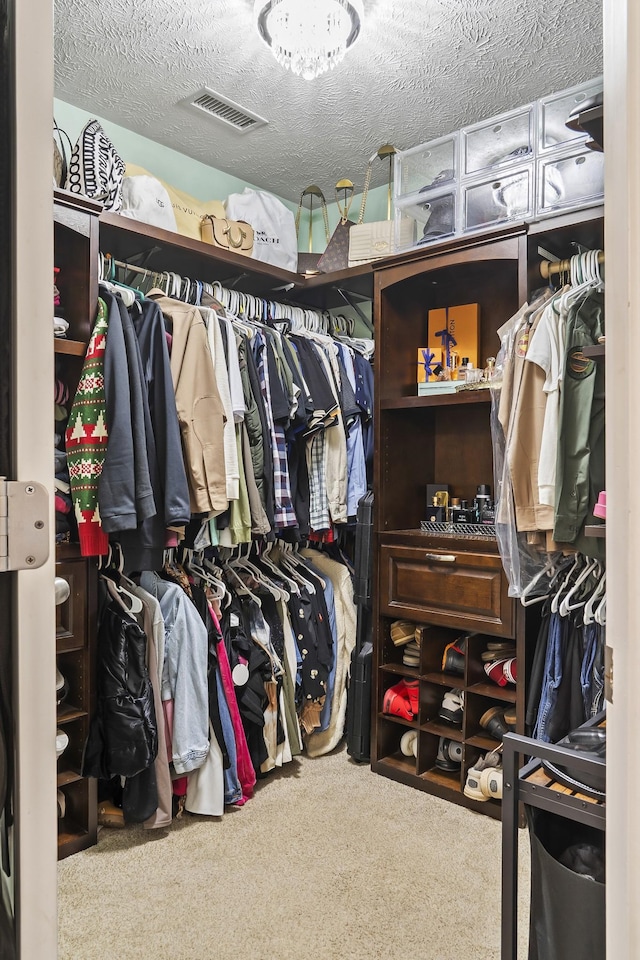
(123, 736)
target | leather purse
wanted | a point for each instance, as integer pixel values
(373, 241)
(234, 235)
(336, 256)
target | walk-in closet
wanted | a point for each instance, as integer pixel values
(316, 622)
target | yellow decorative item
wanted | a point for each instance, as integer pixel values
(462, 325)
(187, 210)
(234, 235)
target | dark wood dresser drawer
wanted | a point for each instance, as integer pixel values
(446, 587)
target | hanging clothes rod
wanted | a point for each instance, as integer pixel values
(134, 269)
(548, 269)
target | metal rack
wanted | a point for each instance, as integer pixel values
(533, 787)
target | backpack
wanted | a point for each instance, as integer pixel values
(96, 169)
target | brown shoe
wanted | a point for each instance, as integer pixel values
(494, 723)
(109, 815)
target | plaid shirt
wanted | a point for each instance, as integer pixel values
(319, 518)
(284, 512)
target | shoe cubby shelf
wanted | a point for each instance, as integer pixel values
(482, 699)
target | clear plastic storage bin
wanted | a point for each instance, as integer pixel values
(426, 217)
(507, 195)
(506, 139)
(554, 111)
(431, 164)
(570, 181)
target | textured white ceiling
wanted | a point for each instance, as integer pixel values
(422, 68)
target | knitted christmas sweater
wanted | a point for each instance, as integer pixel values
(86, 441)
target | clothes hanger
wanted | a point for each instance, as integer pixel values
(217, 586)
(565, 605)
(528, 597)
(566, 582)
(592, 602)
(266, 561)
(240, 586)
(287, 561)
(245, 564)
(117, 578)
(600, 614)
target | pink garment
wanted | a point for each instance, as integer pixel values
(246, 773)
(179, 784)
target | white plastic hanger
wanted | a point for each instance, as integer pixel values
(555, 603)
(594, 599)
(600, 614)
(245, 564)
(266, 561)
(528, 598)
(565, 605)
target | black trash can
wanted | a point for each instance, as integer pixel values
(567, 920)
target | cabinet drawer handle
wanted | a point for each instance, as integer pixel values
(441, 557)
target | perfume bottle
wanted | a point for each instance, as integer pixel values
(482, 501)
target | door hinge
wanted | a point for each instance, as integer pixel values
(24, 525)
(608, 674)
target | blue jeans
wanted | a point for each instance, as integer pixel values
(588, 664)
(551, 678)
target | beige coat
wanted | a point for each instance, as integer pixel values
(200, 411)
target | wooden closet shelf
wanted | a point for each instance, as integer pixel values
(67, 713)
(411, 724)
(124, 238)
(492, 690)
(69, 832)
(595, 352)
(444, 679)
(595, 530)
(443, 730)
(65, 777)
(482, 742)
(400, 669)
(441, 400)
(71, 348)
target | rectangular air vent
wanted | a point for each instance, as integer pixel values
(226, 111)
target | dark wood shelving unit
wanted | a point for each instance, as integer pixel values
(76, 253)
(449, 586)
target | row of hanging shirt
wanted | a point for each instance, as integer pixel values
(211, 674)
(237, 411)
(566, 684)
(548, 424)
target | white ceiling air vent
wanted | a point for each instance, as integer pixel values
(220, 108)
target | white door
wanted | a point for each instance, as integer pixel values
(27, 621)
(622, 245)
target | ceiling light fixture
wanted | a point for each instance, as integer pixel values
(309, 37)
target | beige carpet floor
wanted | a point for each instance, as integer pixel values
(327, 862)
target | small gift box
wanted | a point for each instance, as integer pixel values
(428, 360)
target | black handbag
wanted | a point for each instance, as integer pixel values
(336, 256)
